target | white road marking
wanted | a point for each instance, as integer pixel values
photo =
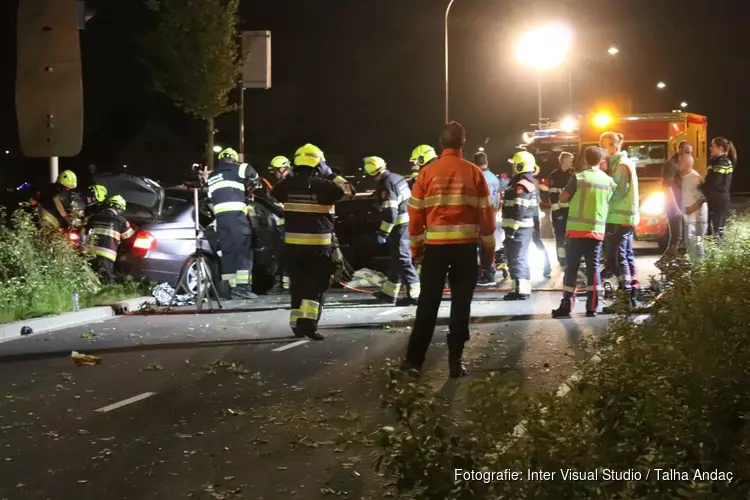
(289, 346)
(125, 402)
(388, 311)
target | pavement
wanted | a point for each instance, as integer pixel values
(229, 406)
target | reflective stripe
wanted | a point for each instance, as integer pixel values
(487, 241)
(416, 203)
(391, 289)
(49, 218)
(307, 239)
(386, 227)
(522, 202)
(516, 224)
(281, 222)
(230, 206)
(459, 232)
(128, 233)
(570, 289)
(310, 208)
(243, 277)
(415, 288)
(401, 219)
(102, 252)
(309, 309)
(561, 253)
(721, 170)
(293, 317)
(227, 277)
(241, 172)
(558, 206)
(394, 203)
(106, 232)
(555, 190)
(225, 184)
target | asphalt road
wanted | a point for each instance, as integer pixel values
(228, 406)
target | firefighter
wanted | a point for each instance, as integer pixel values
(588, 194)
(450, 211)
(227, 185)
(520, 206)
(55, 202)
(311, 250)
(559, 179)
(393, 193)
(421, 157)
(106, 230)
(280, 167)
(537, 233)
(623, 216)
(717, 184)
(95, 201)
(325, 171)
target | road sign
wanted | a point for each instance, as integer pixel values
(256, 59)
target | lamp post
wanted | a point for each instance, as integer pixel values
(544, 48)
(447, 11)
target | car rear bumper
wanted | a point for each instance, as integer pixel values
(150, 269)
(652, 228)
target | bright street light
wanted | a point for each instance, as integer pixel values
(545, 47)
(217, 149)
(661, 85)
(683, 104)
(613, 51)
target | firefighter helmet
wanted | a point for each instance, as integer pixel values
(422, 155)
(229, 153)
(523, 162)
(99, 192)
(280, 162)
(308, 155)
(117, 201)
(374, 165)
(68, 179)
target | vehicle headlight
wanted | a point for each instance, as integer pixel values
(654, 204)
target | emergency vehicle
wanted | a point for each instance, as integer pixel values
(547, 143)
(650, 140)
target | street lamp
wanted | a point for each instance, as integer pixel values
(447, 11)
(661, 85)
(544, 48)
(613, 51)
(217, 149)
(683, 104)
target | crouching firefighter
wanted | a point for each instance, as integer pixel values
(520, 206)
(106, 230)
(394, 193)
(312, 254)
(226, 190)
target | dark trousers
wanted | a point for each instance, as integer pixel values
(401, 268)
(310, 268)
(459, 263)
(537, 238)
(718, 211)
(590, 250)
(621, 257)
(236, 241)
(676, 224)
(517, 253)
(559, 222)
(105, 268)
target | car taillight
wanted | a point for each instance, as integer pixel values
(144, 242)
(73, 236)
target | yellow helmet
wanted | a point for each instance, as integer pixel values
(308, 155)
(280, 162)
(68, 179)
(229, 153)
(117, 201)
(523, 162)
(422, 155)
(99, 192)
(374, 165)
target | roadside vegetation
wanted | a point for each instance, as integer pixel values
(671, 393)
(40, 271)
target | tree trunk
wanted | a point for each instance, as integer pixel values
(210, 143)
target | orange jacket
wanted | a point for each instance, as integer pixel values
(450, 204)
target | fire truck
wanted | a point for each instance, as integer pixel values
(650, 140)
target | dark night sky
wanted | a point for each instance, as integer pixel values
(366, 78)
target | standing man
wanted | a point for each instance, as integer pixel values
(226, 190)
(693, 206)
(559, 179)
(449, 212)
(106, 230)
(421, 157)
(311, 254)
(487, 277)
(622, 217)
(671, 183)
(590, 191)
(280, 167)
(520, 207)
(393, 194)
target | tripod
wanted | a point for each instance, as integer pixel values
(201, 268)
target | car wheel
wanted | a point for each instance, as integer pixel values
(189, 283)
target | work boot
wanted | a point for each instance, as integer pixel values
(314, 336)
(410, 369)
(456, 368)
(516, 296)
(383, 297)
(297, 334)
(591, 314)
(407, 301)
(243, 292)
(563, 311)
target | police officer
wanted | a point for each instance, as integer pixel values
(559, 179)
(718, 183)
(106, 230)
(311, 251)
(95, 200)
(393, 193)
(280, 166)
(55, 201)
(226, 189)
(520, 206)
(421, 157)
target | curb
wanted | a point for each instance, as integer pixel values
(10, 331)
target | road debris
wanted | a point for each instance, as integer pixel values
(84, 359)
(89, 335)
(154, 367)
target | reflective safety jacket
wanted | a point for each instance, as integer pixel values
(55, 204)
(450, 204)
(718, 177)
(558, 179)
(308, 200)
(105, 231)
(624, 209)
(589, 206)
(520, 203)
(227, 185)
(394, 194)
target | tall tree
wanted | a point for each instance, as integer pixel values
(195, 57)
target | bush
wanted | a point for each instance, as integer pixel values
(671, 394)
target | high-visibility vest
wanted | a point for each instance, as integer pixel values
(624, 211)
(590, 203)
